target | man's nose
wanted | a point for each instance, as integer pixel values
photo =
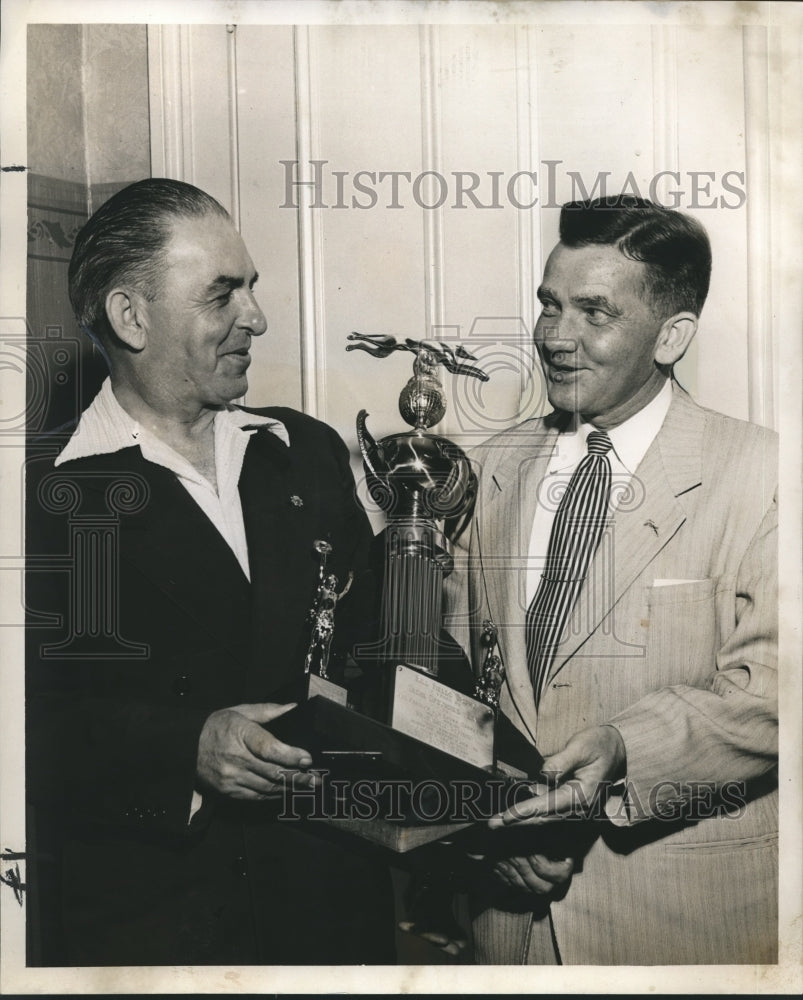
(553, 335)
(251, 316)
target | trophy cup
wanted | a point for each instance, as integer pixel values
(416, 726)
(421, 480)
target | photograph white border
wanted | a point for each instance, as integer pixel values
(784, 978)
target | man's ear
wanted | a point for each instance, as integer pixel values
(128, 317)
(674, 337)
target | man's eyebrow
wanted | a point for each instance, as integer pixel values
(546, 293)
(227, 283)
(596, 302)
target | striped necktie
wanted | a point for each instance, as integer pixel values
(576, 533)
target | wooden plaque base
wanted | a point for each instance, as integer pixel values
(392, 789)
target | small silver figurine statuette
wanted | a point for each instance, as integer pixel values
(492, 675)
(322, 614)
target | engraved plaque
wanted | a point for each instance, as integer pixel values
(442, 717)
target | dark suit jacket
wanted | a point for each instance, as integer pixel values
(141, 623)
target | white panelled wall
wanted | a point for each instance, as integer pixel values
(232, 109)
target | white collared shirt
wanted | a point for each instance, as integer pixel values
(105, 427)
(630, 441)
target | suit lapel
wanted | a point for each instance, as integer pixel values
(644, 521)
(263, 492)
(280, 514)
(511, 489)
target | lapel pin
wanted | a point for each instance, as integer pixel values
(296, 501)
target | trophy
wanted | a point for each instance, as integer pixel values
(321, 617)
(421, 480)
(430, 733)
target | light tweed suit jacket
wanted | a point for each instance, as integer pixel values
(673, 641)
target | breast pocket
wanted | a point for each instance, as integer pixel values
(682, 631)
(680, 592)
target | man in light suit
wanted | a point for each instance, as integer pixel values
(171, 555)
(654, 839)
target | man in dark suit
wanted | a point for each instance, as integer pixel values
(171, 569)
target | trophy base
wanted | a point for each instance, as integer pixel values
(386, 786)
(397, 837)
(323, 687)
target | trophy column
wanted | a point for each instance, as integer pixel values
(416, 564)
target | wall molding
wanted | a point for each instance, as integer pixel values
(760, 332)
(234, 123)
(310, 241)
(528, 228)
(431, 144)
(170, 92)
(666, 152)
(665, 142)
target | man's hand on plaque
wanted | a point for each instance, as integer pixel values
(577, 775)
(240, 759)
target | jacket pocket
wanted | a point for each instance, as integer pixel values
(681, 593)
(722, 846)
(681, 633)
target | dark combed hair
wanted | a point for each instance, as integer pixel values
(124, 243)
(674, 247)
